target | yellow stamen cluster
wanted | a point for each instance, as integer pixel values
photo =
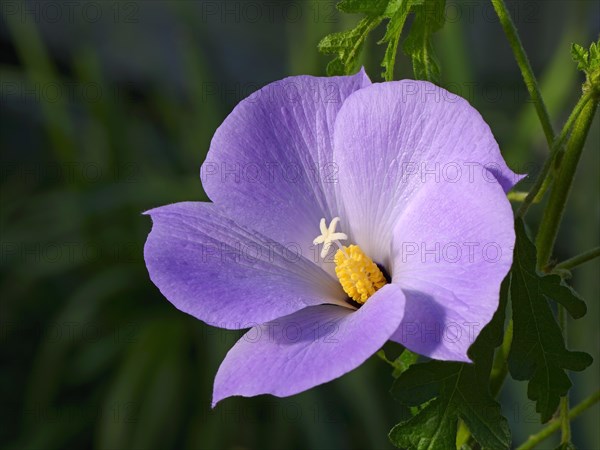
(358, 274)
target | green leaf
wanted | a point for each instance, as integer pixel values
(550, 286)
(429, 18)
(369, 7)
(347, 46)
(392, 36)
(433, 428)
(580, 56)
(538, 351)
(594, 56)
(401, 363)
(588, 60)
(459, 391)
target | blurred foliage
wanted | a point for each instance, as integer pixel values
(105, 115)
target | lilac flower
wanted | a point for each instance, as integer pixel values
(345, 214)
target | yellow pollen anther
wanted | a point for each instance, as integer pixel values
(358, 274)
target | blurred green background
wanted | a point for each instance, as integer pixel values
(107, 110)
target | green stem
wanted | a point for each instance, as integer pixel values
(562, 185)
(500, 369)
(383, 357)
(543, 180)
(555, 425)
(579, 259)
(497, 376)
(565, 423)
(545, 184)
(517, 196)
(530, 81)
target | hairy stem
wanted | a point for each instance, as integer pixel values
(517, 196)
(562, 184)
(555, 425)
(500, 368)
(530, 81)
(542, 182)
(565, 423)
(579, 259)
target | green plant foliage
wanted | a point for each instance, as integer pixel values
(429, 18)
(538, 353)
(454, 391)
(588, 60)
(95, 357)
(392, 37)
(401, 363)
(347, 45)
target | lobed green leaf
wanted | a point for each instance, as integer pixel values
(346, 46)
(369, 7)
(538, 353)
(392, 37)
(459, 391)
(429, 18)
(588, 60)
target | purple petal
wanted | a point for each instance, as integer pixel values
(270, 162)
(227, 275)
(452, 248)
(308, 348)
(392, 138)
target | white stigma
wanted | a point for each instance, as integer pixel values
(328, 236)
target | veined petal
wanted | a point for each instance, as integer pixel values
(391, 139)
(308, 348)
(452, 248)
(227, 275)
(270, 162)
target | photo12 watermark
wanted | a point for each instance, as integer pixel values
(71, 11)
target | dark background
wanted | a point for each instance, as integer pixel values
(107, 110)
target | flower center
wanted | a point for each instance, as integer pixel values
(358, 274)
